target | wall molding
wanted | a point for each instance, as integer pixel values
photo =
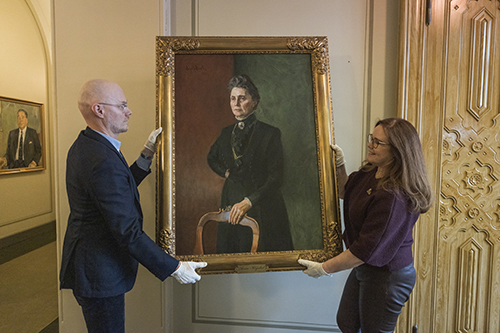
(197, 317)
(21, 243)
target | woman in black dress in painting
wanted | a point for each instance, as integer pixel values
(249, 155)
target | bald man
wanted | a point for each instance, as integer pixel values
(104, 241)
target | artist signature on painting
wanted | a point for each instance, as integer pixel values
(196, 68)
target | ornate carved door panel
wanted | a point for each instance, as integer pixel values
(450, 89)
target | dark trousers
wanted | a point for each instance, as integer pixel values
(373, 298)
(19, 164)
(103, 315)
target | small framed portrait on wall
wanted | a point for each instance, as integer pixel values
(21, 136)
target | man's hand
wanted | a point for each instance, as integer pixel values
(239, 210)
(151, 142)
(186, 273)
(339, 156)
(32, 164)
(314, 269)
(3, 161)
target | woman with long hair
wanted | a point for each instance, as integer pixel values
(382, 202)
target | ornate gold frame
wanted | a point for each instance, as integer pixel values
(317, 47)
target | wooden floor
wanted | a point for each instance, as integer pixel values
(28, 292)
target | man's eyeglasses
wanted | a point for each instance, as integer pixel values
(120, 106)
(376, 142)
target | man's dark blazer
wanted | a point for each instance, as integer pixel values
(32, 147)
(104, 240)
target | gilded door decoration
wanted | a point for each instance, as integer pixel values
(468, 226)
(451, 91)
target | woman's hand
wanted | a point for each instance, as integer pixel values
(239, 210)
(339, 155)
(314, 269)
(342, 177)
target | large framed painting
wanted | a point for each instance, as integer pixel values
(245, 178)
(21, 136)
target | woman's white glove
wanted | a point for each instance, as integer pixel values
(339, 156)
(150, 144)
(186, 273)
(314, 269)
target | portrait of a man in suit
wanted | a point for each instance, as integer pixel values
(23, 146)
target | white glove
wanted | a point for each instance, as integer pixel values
(186, 273)
(150, 144)
(314, 269)
(339, 156)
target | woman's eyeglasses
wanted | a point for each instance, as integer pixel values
(376, 142)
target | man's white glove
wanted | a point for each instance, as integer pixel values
(150, 144)
(314, 269)
(186, 273)
(339, 156)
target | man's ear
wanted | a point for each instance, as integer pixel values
(98, 110)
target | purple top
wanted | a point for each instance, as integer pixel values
(378, 223)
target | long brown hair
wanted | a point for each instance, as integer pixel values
(407, 171)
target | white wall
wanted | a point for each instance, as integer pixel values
(26, 199)
(115, 40)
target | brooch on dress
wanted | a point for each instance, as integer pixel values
(369, 191)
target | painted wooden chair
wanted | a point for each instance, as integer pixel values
(223, 216)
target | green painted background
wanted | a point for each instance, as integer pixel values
(285, 86)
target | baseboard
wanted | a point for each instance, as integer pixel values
(16, 245)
